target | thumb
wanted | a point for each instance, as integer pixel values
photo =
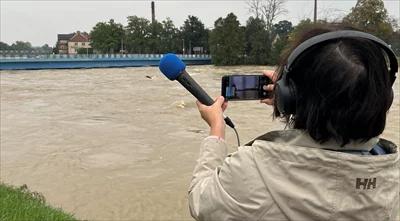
(219, 101)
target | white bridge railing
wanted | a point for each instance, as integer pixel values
(97, 56)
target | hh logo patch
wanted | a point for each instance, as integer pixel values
(366, 183)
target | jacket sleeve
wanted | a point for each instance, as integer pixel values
(224, 188)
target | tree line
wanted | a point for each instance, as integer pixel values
(24, 46)
(260, 41)
(140, 36)
(228, 42)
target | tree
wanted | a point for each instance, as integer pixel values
(394, 41)
(55, 50)
(269, 10)
(278, 48)
(138, 31)
(85, 51)
(107, 37)
(254, 7)
(21, 45)
(303, 26)
(283, 28)
(4, 46)
(154, 39)
(281, 35)
(370, 16)
(46, 48)
(194, 34)
(256, 37)
(285, 34)
(227, 41)
(170, 39)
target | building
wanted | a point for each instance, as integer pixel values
(198, 50)
(71, 43)
(62, 43)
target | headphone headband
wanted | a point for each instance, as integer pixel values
(344, 34)
(285, 91)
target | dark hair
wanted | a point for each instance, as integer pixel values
(343, 88)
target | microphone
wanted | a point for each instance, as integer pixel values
(174, 69)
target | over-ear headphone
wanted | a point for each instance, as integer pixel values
(285, 90)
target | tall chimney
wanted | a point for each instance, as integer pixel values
(153, 14)
(315, 11)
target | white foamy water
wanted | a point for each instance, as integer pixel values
(112, 144)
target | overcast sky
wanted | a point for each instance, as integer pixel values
(39, 22)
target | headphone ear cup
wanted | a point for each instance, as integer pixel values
(280, 96)
(285, 96)
(293, 98)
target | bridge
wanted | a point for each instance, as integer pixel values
(57, 61)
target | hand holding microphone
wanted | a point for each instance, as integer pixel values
(213, 115)
(174, 69)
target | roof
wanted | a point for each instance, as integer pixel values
(80, 37)
(74, 37)
(65, 36)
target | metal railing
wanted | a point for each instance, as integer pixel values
(96, 56)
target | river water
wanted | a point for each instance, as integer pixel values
(118, 144)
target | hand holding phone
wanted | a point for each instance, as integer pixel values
(269, 87)
(245, 87)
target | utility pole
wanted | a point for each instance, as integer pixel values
(315, 11)
(122, 46)
(183, 46)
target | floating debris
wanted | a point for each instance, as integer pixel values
(197, 131)
(181, 104)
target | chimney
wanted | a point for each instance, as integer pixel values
(153, 15)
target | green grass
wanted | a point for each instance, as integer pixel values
(20, 204)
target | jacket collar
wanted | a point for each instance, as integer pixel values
(296, 137)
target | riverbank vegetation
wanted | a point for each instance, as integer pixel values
(18, 204)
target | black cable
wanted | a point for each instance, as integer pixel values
(229, 122)
(237, 136)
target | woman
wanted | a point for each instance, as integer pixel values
(322, 168)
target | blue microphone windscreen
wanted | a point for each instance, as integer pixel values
(171, 66)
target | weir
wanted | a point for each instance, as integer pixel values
(25, 62)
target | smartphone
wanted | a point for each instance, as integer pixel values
(244, 87)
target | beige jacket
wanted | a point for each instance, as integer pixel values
(286, 175)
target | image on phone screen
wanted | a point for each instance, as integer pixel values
(244, 87)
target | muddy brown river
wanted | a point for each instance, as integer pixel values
(118, 144)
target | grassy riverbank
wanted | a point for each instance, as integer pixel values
(20, 204)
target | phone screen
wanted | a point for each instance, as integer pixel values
(244, 87)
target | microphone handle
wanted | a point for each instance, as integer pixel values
(191, 85)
